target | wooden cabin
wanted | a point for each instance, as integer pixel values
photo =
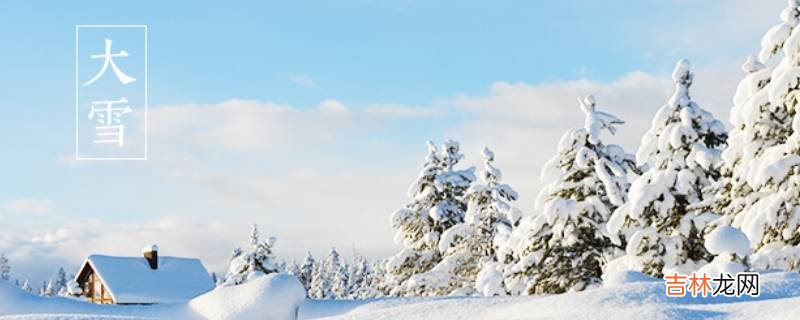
(148, 279)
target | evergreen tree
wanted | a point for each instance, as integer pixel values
(761, 119)
(359, 280)
(466, 246)
(5, 268)
(437, 203)
(60, 284)
(306, 273)
(661, 221)
(27, 286)
(378, 282)
(292, 268)
(763, 158)
(259, 261)
(564, 246)
(329, 280)
(48, 289)
(320, 287)
(336, 273)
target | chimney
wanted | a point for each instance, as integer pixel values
(151, 255)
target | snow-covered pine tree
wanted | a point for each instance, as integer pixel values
(49, 288)
(280, 266)
(292, 268)
(339, 282)
(320, 287)
(466, 246)
(760, 118)
(564, 245)
(436, 204)
(378, 281)
(259, 261)
(60, 284)
(328, 282)
(235, 253)
(660, 221)
(336, 271)
(358, 285)
(43, 288)
(306, 272)
(26, 285)
(762, 194)
(5, 268)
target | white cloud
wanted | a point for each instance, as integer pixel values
(244, 125)
(393, 111)
(34, 206)
(60, 235)
(302, 80)
(332, 106)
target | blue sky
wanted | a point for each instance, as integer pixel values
(349, 91)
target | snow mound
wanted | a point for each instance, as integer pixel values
(728, 239)
(614, 279)
(273, 296)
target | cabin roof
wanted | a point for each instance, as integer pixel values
(131, 280)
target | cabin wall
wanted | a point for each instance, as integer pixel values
(95, 290)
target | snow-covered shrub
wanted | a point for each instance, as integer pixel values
(730, 248)
(245, 266)
(437, 203)
(660, 221)
(563, 246)
(490, 281)
(74, 289)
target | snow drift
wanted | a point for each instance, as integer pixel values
(274, 296)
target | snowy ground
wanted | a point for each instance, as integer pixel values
(779, 299)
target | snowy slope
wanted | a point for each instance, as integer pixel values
(780, 299)
(276, 297)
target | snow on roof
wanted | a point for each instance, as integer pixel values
(130, 279)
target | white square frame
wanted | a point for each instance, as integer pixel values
(77, 81)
